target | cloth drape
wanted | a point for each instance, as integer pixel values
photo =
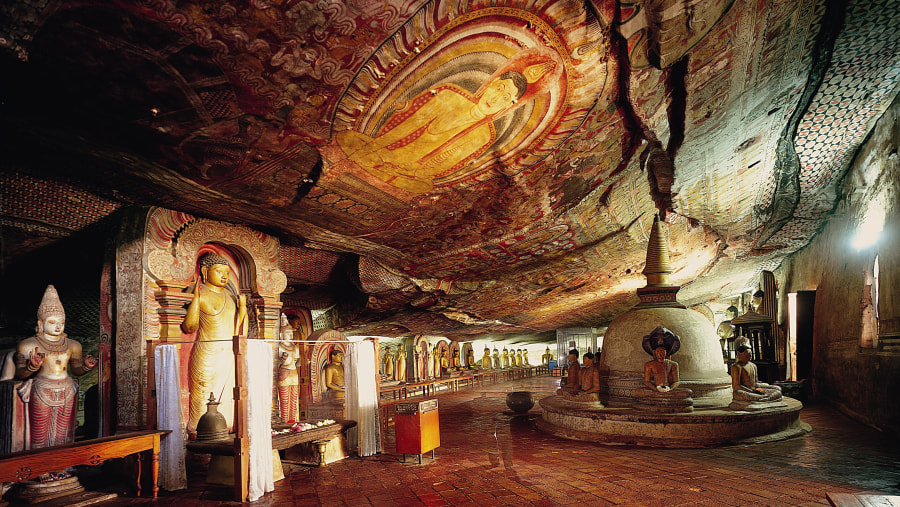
(362, 398)
(172, 473)
(259, 418)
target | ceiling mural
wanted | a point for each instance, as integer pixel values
(455, 167)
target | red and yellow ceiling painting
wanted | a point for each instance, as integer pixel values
(465, 166)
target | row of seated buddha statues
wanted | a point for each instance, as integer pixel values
(661, 392)
(497, 361)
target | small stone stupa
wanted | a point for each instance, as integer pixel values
(700, 360)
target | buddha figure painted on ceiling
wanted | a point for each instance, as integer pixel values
(455, 99)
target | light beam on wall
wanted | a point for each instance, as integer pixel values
(870, 227)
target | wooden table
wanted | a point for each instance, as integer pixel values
(24, 465)
(225, 446)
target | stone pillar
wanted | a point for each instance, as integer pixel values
(269, 315)
(173, 303)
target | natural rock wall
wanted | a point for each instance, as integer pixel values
(853, 373)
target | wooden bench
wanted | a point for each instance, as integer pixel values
(24, 465)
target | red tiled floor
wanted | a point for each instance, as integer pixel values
(488, 456)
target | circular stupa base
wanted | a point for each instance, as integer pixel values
(704, 427)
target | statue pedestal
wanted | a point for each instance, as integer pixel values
(754, 406)
(318, 452)
(40, 491)
(675, 401)
(704, 427)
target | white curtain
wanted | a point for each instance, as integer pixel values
(259, 418)
(362, 398)
(172, 474)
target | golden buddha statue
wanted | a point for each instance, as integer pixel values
(504, 359)
(387, 364)
(495, 360)
(288, 378)
(45, 360)
(334, 376)
(547, 357)
(486, 359)
(400, 367)
(454, 361)
(470, 359)
(525, 361)
(518, 359)
(217, 314)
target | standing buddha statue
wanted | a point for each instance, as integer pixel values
(400, 367)
(217, 315)
(387, 364)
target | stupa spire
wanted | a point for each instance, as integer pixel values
(657, 268)
(658, 292)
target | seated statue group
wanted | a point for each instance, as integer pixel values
(583, 383)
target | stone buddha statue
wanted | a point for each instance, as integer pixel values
(217, 315)
(748, 392)
(573, 379)
(486, 359)
(589, 390)
(288, 378)
(400, 366)
(504, 359)
(387, 363)
(45, 360)
(661, 373)
(661, 376)
(334, 376)
(495, 360)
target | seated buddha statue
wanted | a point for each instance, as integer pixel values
(504, 359)
(470, 359)
(495, 360)
(486, 359)
(661, 376)
(334, 376)
(573, 379)
(547, 357)
(454, 361)
(589, 390)
(748, 392)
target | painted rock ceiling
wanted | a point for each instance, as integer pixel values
(468, 167)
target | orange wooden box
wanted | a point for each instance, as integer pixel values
(416, 426)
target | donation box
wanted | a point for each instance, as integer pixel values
(416, 425)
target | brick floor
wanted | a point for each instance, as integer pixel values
(488, 456)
